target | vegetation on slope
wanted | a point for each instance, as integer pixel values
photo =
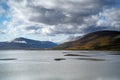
(100, 40)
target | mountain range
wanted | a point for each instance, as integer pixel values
(24, 43)
(100, 40)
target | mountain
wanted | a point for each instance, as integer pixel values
(24, 43)
(100, 40)
(72, 38)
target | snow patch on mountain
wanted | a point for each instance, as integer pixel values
(24, 42)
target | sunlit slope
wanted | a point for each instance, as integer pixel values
(100, 40)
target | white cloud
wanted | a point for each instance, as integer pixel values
(51, 17)
(111, 18)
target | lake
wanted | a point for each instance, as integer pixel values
(59, 65)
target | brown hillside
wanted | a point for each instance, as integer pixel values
(100, 40)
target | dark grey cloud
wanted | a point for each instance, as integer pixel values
(66, 12)
(96, 28)
(47, 16)
(32, 28)
(65, 16)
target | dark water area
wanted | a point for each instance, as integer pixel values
(59, 65)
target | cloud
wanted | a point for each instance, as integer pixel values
(51, 17)
(2, 32)
(111, 18)
(54, 12)
(2, 11)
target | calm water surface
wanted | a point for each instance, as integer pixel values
(41, 65)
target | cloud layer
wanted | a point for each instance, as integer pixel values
(52, 17)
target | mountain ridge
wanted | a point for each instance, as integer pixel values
(99, 40)
(25, 43)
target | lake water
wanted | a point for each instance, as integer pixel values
(59, 65)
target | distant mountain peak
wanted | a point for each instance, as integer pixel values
(20, 38)
(24, 43)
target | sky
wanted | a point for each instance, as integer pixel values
(56, 20)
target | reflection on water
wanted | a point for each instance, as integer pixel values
(54, 65)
